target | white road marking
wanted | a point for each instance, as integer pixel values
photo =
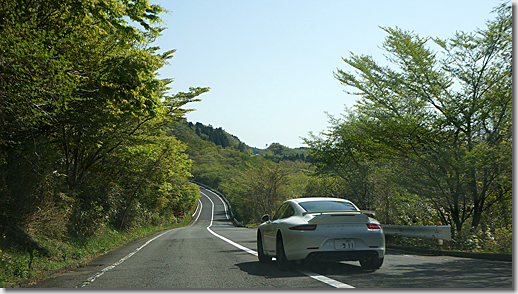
(200, 206)
(94, 277)
(326, 280)
(320, 278)
(223, 238)
(104, 270)
(224, 205)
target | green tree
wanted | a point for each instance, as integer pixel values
(257, 191)
(448, 116)
(78, 85)
(155, 172)
(339, 153)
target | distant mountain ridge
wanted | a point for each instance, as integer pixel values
(188, 131)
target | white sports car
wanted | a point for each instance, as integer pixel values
(321, 229)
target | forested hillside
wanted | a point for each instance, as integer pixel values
(254, 180)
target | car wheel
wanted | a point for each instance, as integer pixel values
(260, 251)
(371, 264)
(282, 261)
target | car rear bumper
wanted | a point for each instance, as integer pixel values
(300, 245)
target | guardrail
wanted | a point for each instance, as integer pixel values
(439, 233)
(234, 220)
(429, 232)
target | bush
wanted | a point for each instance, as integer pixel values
(487, 240)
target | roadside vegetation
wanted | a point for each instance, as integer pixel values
(85, 164)
(18, 267)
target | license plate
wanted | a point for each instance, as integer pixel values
(344, 244)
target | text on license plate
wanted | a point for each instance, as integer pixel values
(344, 244)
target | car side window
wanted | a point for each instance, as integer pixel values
(285, 211)
(280, 212)
(288, 212)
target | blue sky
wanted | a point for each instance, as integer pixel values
(270, 64)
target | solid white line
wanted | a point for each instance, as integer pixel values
(223, 238)
(326, 280)
(200, 206)
(224, 205)
(320, 278)
(94, 277)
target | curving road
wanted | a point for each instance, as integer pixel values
(211, 253)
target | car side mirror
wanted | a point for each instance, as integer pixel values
(265, 218)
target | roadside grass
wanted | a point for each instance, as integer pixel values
(25, 266)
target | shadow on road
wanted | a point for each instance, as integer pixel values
(336, 268)
(454, 273)
(270, 269)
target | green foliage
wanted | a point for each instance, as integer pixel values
(263, 188)
(498, 240)
(11, 268)
(82, 149)
(431, 129)
(277, 153)
(212, 161)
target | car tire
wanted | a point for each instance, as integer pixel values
(282, 261)
(263, 258)
(371, 264)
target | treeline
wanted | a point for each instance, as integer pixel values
(277, 153)
(82, 112)
(217, 136)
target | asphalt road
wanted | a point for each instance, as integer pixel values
(211, 253)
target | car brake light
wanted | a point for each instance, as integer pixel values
(374, 226)
(304, 228)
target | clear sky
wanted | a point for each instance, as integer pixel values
(270, 64)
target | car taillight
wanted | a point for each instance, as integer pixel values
(304, 228)
(374, 226)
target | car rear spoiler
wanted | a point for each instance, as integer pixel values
(367, 212)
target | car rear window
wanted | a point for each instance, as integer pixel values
(327, 206)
